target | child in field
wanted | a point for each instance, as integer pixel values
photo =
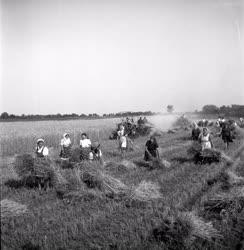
(41, 150)
(205, 139)
(151, 149)
(85, 145)
(65, 146)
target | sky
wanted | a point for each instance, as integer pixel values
(104, 56)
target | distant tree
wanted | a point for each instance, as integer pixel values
(210, 109)
(170, 108)
(4, 115)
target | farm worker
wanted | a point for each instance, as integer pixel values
(122, 139)
(151, 149)
(41, 149)
(85, 145)
(205, 139)
(226, 134)
(140, 121)
(65, 146)
(96, 151)
(145, 120)
(196, 131)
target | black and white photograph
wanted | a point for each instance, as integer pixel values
(122, 124)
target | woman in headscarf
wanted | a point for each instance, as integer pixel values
(122, 139)
(151, 149)
(205, 139)
(196, 131)
(85, 145)
(65, 146)
(41, 150)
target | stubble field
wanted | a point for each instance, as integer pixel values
(102, 221)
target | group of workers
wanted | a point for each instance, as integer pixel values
(203, 135)
(92, 151)
(88, 150)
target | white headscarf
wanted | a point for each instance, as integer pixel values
(65, 141)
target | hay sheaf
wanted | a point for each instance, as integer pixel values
(226, 204)
(11, 208)
(200, 228)
(34, 171)
(123, 166)
(180, 230)
(146, 191)
(159, 163)
(93, 176)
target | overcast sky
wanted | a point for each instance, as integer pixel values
(64, 56)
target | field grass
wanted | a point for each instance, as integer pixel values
(90, 219)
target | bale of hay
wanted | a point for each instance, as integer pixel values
(146, 191)
(11, 208)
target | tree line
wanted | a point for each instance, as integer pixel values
(233, 110)
(6, 116)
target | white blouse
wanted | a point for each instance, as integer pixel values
(85, 143)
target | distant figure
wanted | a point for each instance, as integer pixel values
(140, 121)
(196, 131)
(122, 139)
(65, 146)
(145, 120)
(151, 149)
(85, 145)
(241, 124)
(226, 134)
(205, 139)
(96, 151)
(41, 149)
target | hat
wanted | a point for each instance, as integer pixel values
(40, 140)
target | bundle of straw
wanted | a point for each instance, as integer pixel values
(24, 164)
(94, 177)
(183, 228)
(124, 165)
(32, 170)
(234, 179)
(146, 191)
(199, 228)
(194, 149)
(11, 208)
(224, 203)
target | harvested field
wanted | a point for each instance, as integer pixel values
(124, 203)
